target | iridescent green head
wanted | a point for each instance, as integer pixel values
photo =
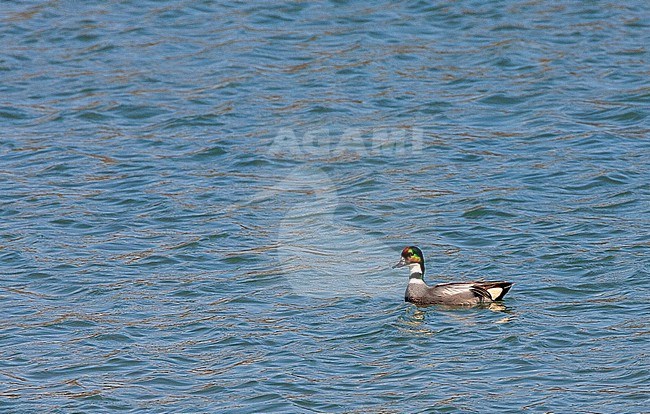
(410, 255)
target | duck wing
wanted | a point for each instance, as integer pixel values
(461, 292)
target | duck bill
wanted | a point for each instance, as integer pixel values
(401, 263)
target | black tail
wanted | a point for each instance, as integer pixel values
(497, 290)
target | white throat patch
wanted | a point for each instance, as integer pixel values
(415, 268)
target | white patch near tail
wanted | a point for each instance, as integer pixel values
(495, 292)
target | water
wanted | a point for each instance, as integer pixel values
(200, 204)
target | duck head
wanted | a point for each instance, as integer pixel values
(413, 258)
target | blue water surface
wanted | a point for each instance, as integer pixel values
(200, 203)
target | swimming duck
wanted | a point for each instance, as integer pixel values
(457, 293)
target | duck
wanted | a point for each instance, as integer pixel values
(453, 294)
